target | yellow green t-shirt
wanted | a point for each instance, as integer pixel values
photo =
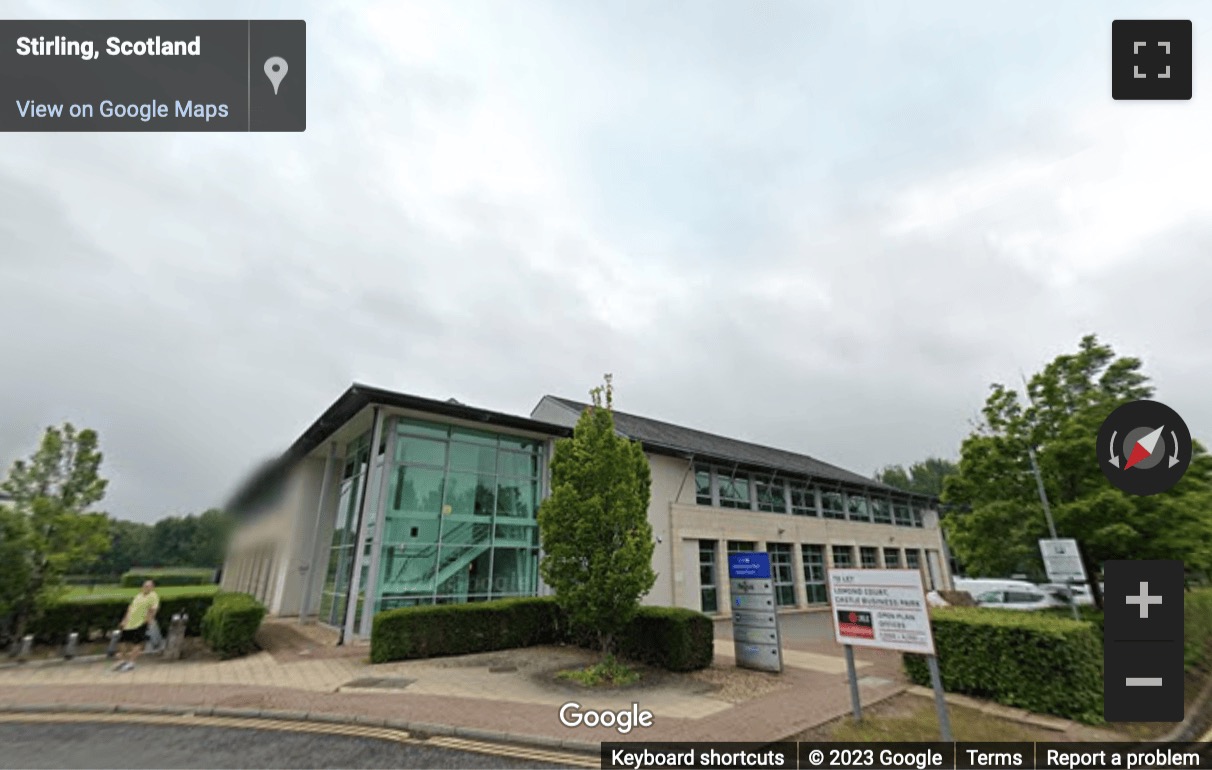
(140, 606)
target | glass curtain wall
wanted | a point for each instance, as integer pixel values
(461, 519)
(345, 532)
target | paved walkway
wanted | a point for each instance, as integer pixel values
(513, 693)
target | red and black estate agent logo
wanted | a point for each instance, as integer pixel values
(856, 624)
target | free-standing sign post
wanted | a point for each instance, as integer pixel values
(885, 609)
(755, 618)
(1063, 563)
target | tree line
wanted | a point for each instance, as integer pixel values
(992, 514)
(50, 530)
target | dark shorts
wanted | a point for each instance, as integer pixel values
(135, 635)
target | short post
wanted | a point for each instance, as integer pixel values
(176, 635)
(27, 648)
(72, 646)
(855, 704)
(114, 637)
(940, 703)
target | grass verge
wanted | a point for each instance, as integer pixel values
(609, 672)
(79, 593)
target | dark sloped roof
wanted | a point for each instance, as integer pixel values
(350, 404)
(655, 434)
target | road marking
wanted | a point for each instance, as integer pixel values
(349, 730)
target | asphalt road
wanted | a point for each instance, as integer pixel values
(132, 745)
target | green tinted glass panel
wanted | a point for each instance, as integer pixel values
(517, 498)
(518, 464)
(474, 436)
(419, 428)
(416, 490)
(514, 571)
(702, 485)
(465, 531)
(517, 535)
(471, 457)
(469, 494)
(514, 442)
(408, 569)
(421, 451)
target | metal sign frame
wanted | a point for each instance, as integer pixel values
(755, 617)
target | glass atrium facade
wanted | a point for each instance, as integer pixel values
(459, 515)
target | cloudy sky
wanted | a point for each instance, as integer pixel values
(821, 226)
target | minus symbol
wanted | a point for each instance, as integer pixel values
(1143, 681)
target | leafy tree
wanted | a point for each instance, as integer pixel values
(14, 566)
(49, 518)
(925, 477)
(594, 527)
(211, 534)
(1003, 518)
(129, 546)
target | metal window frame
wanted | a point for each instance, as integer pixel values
(376, 542)
(355, 579)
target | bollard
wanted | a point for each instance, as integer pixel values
(114, 636)
(175, 638)
(73, 643)
(27, 648)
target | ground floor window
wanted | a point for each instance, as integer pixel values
(814, 573)
(741, 546)
(783, 573)
(869, 558)
(708, 596)
(892, 558)
(843, 556)
(913, 558)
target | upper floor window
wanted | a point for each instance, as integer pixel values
(771, 494)
(856, 506)
(803, 499)
(900, 514)
(702, 484)
(916, 514)
(832, 505)
(734, 489)
(881, 511)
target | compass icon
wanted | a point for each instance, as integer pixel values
(1144, 448)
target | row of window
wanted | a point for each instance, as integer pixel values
(726, 488)
(782, 568)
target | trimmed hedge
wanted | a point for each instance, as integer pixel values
(1033, 661)
(168, 577)
(230, 625)
(458, 629)
(1197, 627)
(88, 616)
(670, 637)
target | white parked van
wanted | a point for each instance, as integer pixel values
(978, 586)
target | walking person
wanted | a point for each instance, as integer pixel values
(140, 613)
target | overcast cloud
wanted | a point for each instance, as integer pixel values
(821, 226)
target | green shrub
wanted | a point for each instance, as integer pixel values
(670, 637)
(1197, 627)
(88, 616)
(1033, 661)
(169, 577)
(230, 626)
(458, 629)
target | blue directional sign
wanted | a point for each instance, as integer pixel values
(749, 565)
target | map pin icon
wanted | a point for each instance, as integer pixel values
(275, 70)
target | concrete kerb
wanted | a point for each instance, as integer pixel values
(420, 728)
